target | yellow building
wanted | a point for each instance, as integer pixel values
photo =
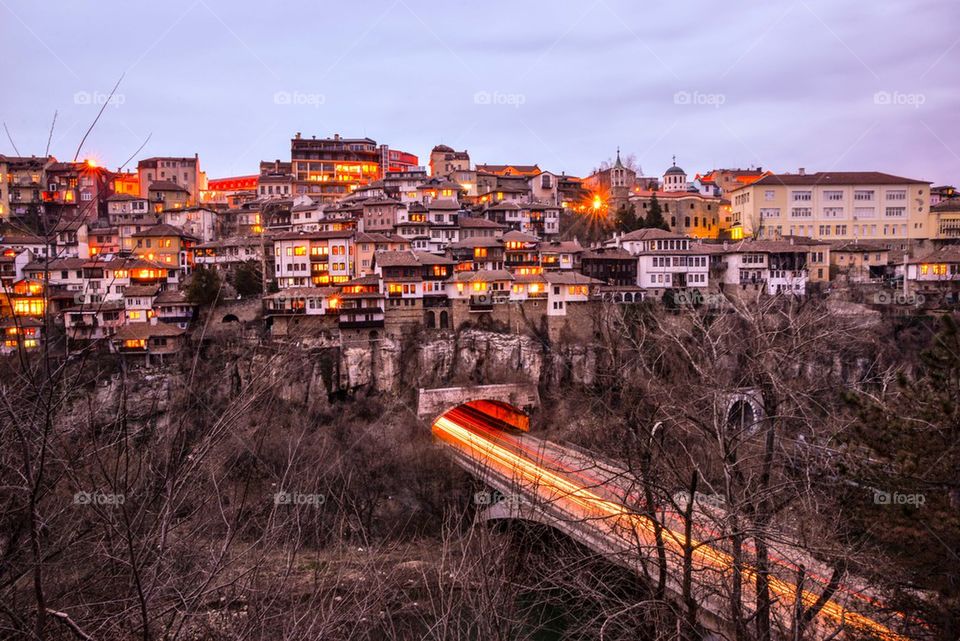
(166, 245)
(842, 205)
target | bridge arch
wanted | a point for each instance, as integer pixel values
(743, 409)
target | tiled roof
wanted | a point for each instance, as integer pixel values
(140, 290)
(166, 185)
(838, 178)
(651, 234)
(163, 229)
(570, 278)
(482, 275)
(475, 222)
(143, 331)
(410, 259)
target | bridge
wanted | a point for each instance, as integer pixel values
(592, 500)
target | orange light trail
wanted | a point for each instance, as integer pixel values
(618, 519)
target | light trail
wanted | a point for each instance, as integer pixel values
(481, 440)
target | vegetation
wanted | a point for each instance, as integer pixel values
(204, 286)
(654, 218)
(248, 279)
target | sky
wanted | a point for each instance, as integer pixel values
(782, 84)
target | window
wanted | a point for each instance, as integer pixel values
(833, 195)
(802, 196)
(769, 195)
(863, 194)
(769, 212)
(896, 212)
(864, 212)
(801, 212)
(897, 194)
(833, 212)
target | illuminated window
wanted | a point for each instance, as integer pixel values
(577, 290)
(479, 286)
(395, 288)
(517, 289)
(12, 343)
(333, 303)
(133, 315)
(480, 252)
(460, 287)
(300, 250)
(27, 307)
(30, 342)
(135, 343)
(536, 288)
(439, 270)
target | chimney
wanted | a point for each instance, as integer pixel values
(297, 136)
(336, 136)
(803, 171)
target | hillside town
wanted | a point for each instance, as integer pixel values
(349, 240)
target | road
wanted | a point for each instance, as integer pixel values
(591, 498)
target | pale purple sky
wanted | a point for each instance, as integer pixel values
(820, 84)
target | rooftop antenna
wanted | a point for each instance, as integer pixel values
(10, 138)
(50, 136)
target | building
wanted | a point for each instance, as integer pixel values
(613, 184)
(21, 187)
(149, 343)
(718, 182)
(370, 244)
(275, 179)
(860, 262)
(946, 219)
(182, 171)
(321, 258)
(842, 205)
(610, 265)
(328, 169)
(768, 267)
(666, 261)
(166, 245)
(934, 275)
(445, 161)
(688, 213)
(675, 179)
(224, 190)
(165, 194)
